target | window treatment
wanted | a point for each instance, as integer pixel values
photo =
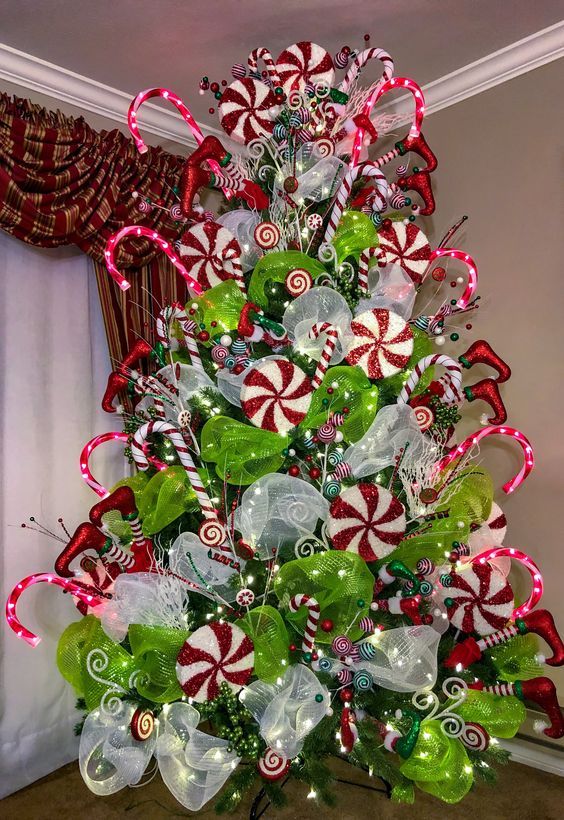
(53, 371)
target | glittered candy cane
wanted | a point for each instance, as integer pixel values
(366, 170)
(85, 471)
(361, 60)
(84, 593)
(314, 611)
(177, 312)
(265, 55)
(364, 263)
(164, 245)
(318, 329)
(472, 271)
(517, 435)
(454, 370)
(528, 563)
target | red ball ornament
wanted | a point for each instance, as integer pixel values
(203, 336)
(346, 410)
(294, 471)
(330, 391)
(213, 324)
(309, 459)
(366, 38)
(224, 83)
(314, 473)
(387, 223)
(238, 369)
(292, 647)
(346, 695)
(290, 185)
(327, 625)
(438, 274)
(211, 110)
(214, 87)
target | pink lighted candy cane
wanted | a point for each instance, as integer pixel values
(472, 271)
(390, 85)
(81, 591)
(87, 452)
(529, 460)
(166, 94)
(163, 244)
(527, 561)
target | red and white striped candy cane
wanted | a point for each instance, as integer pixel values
(265, 55)
(328, 349)
(176, 312)
(366, 170)
(454, 369)
(361, 60)
(314, 611)
(163, 244)
(364, 262)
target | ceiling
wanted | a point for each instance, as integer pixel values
(136, 44)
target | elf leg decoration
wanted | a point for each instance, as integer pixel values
(89, 537)
(117, 381)
(487, 390)
(540, 691)
(480, 352)
(123, 500)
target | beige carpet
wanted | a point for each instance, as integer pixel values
(520, 794)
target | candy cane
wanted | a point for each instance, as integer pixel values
(469, 442)
(472, 271)
(527, 561)
(165, 246)
(265, 55)
(169, 95)
(314, 611)
(454, 370)
(169, 314)
(361, 60)
(367, 170)
(369, 253)
(98, 488)
(328, 348)
(81, 591)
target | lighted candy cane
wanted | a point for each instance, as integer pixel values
(472, 271)
(469, 442)
(80, 591)
(314, 611)
(98, 488)
(364, 263)
(367, 170)
(177, 312)
(454, 370)
(391, 85)
(163, 244)
(328, 349)
(527, 561)
(265, 55)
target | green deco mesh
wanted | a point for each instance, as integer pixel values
(266, 629)
(515, 660)
(241, 453)
(167, 496)
(355, 391)
(500, 716)
(439, 765)
(155, 649)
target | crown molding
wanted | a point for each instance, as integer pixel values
(89, 95)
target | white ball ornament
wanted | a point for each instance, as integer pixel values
(440, 340)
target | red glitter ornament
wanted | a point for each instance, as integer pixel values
(314, 473)
(327, 625)
(294, 471)
(346, 695)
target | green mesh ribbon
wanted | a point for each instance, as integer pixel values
(274, 267)
(339, 581)
(222, 304)
(439, 765)
(155, 650)
(166, 497)
(354, 233)
(355, 391)
(472, 495)
(137, 483)
(439, 537)
(241, 453)
(515, 660)
(403, 793)
(266, 629)
(108, 660)
(422, 346)
(500, 716)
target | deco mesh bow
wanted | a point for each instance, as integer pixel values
(306, 562)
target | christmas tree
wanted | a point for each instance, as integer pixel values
(306, 562)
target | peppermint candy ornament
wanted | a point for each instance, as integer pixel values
(247, 110)
(304, 63)
(382, 343)
(479, 599)
(407, 246)
(368, 520)
(276, 395)
(424, 417)
(273, 765)
(211, 253)
(142, 724)
(214, 654)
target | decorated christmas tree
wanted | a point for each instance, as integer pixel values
(306, 562)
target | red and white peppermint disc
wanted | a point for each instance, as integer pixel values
(212, 532)
(276, 395)
(368, 520)
(273, 765)
(314, 221)
(267, 235)
(247, 110)
(304, 63)
(298, 281)
(479, 600)
(491, 534)
(382, 343)
(211, 253)
(142, 724)
(407, 246)
(214, 654)
(424, 417)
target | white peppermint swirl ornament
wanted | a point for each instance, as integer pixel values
(298, 281)
(212, 533)
(304, 63)
(276, 395)
(273, 765)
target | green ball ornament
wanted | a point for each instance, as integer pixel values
(454, 337)
(307, 657)
(360, 603)
(319, 698)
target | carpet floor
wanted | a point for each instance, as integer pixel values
(520, 794)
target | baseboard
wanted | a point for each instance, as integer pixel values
(536, 754)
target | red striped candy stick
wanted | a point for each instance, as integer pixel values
(454, 370)
(361, 59)
(328, 349)
(496, 638)
(177, 312)
(366, 170)
(369, 253)
(265, 55)
(312, 618)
